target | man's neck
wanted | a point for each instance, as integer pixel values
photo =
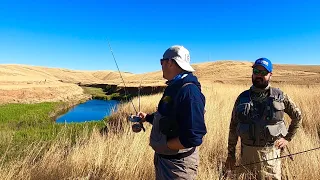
(178, 76)
(259, 94)
(259, 90)
(174, 74)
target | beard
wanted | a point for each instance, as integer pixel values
(260, 83)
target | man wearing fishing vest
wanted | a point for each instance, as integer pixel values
(178, 125)
(258, 119)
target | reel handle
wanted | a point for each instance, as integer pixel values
(134, 118)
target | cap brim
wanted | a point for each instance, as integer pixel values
(255, 65)
(185, 66)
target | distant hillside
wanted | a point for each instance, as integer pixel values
(24, 73)
(233, 72)
(24, 83)
(208, 72)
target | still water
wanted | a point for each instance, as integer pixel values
(92, 110)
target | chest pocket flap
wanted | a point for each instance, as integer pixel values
(278, 105)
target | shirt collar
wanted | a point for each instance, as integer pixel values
(177, 77)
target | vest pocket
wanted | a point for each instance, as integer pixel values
(277, 130)
(243, 111)
(278, 112)
(278, 105)
(158, 141)
(169, 127)
(156, 135)
(161, 147)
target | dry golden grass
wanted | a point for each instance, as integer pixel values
(126, 155)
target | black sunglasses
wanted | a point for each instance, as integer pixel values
(161, 60)
(261, 72)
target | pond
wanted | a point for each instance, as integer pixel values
(92, 110)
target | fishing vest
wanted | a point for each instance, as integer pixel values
(164, 128)
(158, 139)
(265, 128)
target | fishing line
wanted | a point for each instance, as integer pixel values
(125, 87)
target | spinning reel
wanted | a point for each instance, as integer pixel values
(138, 124)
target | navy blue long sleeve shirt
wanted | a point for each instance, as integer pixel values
(185, 107)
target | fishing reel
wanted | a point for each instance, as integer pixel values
(138, 125)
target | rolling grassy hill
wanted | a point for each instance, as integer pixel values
(25, 83)
(234, 72)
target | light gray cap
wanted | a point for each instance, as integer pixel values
(181, 55)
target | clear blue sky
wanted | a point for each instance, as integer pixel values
(73, 34)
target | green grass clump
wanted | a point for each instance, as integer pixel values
(99, 93)
(95, 92)
(25, 124)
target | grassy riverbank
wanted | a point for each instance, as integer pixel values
(24, 124)
(98, 93)
(77, 153)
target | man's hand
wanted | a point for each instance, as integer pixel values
(143, 116)
(281, 143)
(230, 163)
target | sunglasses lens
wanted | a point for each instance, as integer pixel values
(262, 72)
(161, 60)
(256, 71)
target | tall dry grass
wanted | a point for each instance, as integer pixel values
(123, 154)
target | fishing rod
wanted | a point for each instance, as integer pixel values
(139, 126)
(132, 118)
(289, 155)
(223, 172)
(139, 92)
(125, 87)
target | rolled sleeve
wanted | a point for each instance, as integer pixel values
(295, 114)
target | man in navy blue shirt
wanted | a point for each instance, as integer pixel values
(178, 125)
